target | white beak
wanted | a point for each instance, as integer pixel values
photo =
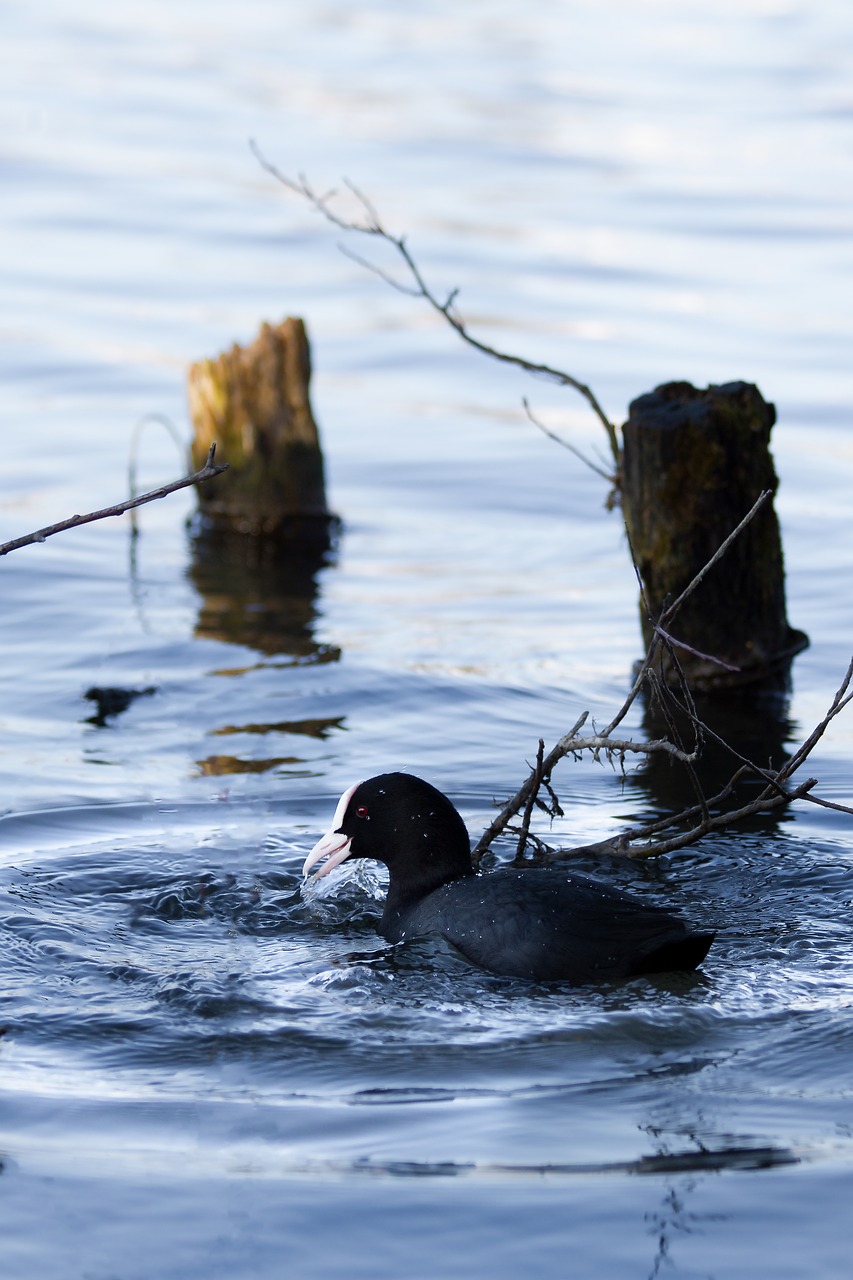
(334, 845)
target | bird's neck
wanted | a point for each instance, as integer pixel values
(405, 892)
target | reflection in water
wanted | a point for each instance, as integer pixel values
(219, 766)
(112, 701)
(670, 1220)
(675, 1218)
(259, 592)
(321, 653)
(754, 723)
(319, 728)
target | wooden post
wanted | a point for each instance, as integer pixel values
(254, 402)
(694, 463)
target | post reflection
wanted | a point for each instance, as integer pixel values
(751, 725)
(261, 594)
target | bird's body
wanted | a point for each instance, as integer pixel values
(537, 923)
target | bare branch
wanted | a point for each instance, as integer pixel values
(535, 783)
(829, 804)
(661, 636)
(705, 816)
(571, 745)
(622, 846)
(839, 702)
(197, 477)
(552, 435)
(372, 226)
(513, 806)
(670, 612)
(622, 746)
(696, 653)
(184, 452)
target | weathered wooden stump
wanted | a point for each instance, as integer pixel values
(694, 464)
(254, 402)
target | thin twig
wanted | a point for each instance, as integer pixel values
(641, 677)
(621, 846)
(839, 702)
(829, 804)
(666, 703)
(535, 783)
(184, 453)
(567, 746)
(769, 776)
(197, 477)
(552, 435)
(648, 829)
(670, 612)
(570, 746)
(372, 226)
(695, 653)
(512, 807)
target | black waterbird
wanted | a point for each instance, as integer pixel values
(539, 923)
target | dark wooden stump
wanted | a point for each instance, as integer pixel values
(694, 464)
(254, 402)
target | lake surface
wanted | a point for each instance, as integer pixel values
(204, 1072)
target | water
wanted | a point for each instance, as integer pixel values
(204, 1072)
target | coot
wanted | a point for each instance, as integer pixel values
(539, 923)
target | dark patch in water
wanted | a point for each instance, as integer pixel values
(112, 701)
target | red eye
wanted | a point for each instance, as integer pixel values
(361, 811)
